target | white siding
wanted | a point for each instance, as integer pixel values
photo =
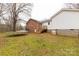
(48, 25)
(65, 20)
(45, 24)
(68, 32)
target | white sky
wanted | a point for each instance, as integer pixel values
(43, 9)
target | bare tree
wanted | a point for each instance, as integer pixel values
(72, 5)
(13, 10)
(3, 10)
(20, 8)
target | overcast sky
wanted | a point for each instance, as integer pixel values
(43, 9)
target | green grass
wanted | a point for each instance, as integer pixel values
(38, 45)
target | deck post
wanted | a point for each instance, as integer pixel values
(78, 33)
(56, 32)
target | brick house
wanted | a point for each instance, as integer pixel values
(34, 26)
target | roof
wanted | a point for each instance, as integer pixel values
(63, 9)
(34, 20)
(44, 21)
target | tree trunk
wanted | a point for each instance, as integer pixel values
(14, 17)
(14, 25)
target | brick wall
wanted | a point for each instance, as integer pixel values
(34, 26)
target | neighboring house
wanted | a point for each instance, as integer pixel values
(34, 26)
(64, 22)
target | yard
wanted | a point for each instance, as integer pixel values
(38, 45)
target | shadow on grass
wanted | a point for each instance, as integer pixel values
(16, 34)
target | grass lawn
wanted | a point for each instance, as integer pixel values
(38, 45)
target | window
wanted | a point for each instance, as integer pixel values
(48, 23)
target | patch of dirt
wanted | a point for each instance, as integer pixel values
(2, 42)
